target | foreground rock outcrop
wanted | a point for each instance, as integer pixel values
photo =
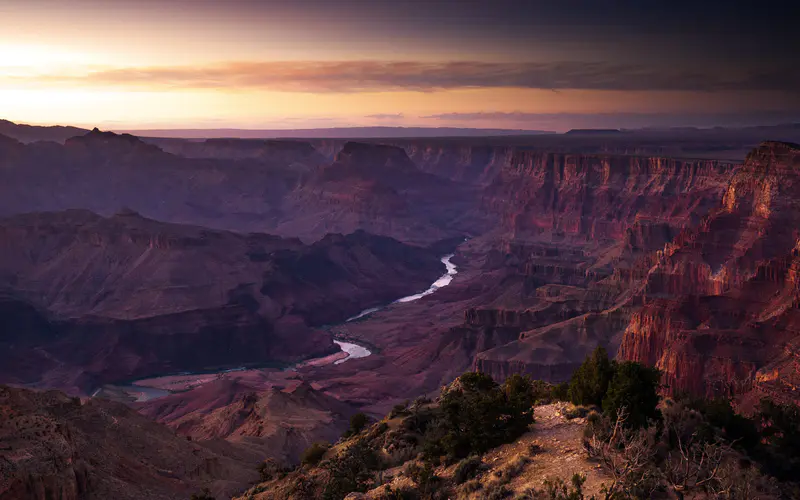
(53, 446)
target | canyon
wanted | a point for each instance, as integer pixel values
(228, 273)
(96, 300)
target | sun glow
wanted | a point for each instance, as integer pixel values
(25, 60)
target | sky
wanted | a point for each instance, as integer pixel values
(521, 64)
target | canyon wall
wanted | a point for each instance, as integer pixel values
(116, 298)
(580, 232)
(61, 447)
(719, 306)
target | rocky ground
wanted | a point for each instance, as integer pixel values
(552, 449)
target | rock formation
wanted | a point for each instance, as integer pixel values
(53, 446)
(719, 310)
(280, 422)
(125, 296)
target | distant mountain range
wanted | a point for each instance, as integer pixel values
(334, 133)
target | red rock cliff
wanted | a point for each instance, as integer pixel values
(720, 302)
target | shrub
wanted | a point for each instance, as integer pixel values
(269, 469)
(780, 432)
(558, 489)
(398, 493)
(635, 388)
(590, 381)
(467, 469)
(421, 401)
(545, 392)
(512, 469)
(596, 425)
(495, 492)
(476, 415)
(424, 477)
(419, 419)
(472, 486)
(399, 410)
(519, 400)
(576, 412)
(314, 453)
(349, 471)
(357, 423)
(736, 428)
(560, 392)
(302, 488)
(203, 495)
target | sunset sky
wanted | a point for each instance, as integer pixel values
(330, 63)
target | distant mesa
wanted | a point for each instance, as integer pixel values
(362, 151)
(127, 212)
(593, 131)
(34, 133)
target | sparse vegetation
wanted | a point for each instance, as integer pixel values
(270, 469)
(635, 388)
(424, 477)
(682, 449)
(590, 381)
(512, 469)
(357, 424)
(399, 410)
(495, 492)
(314, 453)
(558, 489)
(350, 470)
(203, 495)
(477, 414)
(577, 412)
(467, 469)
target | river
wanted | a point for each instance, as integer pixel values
(356, 351)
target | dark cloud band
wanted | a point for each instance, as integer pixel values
(367, 76)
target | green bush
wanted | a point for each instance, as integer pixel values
(424, 477)
(577, 412)
(270, 469)
(560, 392)
(467, 469)
(512, 469)
(495, 492)
(635, 388)
(558, 489)
(357, 424)
(520, 398)
(736, 428)
(476, 414)
(399, 493)
(350, 471)
(589, 383)
(314, 453)
(780, 432)
(203, 495)
(399, 410)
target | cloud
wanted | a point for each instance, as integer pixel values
(386, 116)
(620, 120)
(377, 76)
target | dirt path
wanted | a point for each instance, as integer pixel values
(561, 453)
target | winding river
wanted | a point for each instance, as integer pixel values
(356, 351)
